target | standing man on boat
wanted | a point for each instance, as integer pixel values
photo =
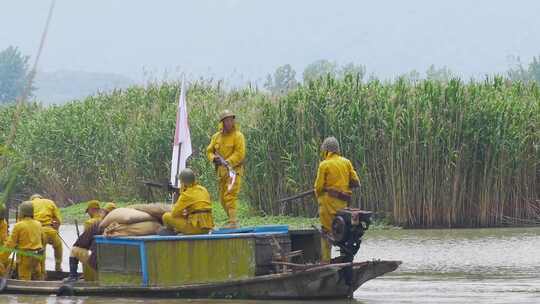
(227, 150)
(192, 213)
(335, 179)
(47, 213)
(27, 239)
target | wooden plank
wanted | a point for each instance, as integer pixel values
(107, 278)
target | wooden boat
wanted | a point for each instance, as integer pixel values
(317, 282)
(264, 262)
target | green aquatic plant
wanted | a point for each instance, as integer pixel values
(429, 153)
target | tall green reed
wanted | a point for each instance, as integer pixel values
(429, 154)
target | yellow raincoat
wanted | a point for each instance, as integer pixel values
(46, 212)
(336, 173)
(192, 213)
(28, 238)
(3, 239)
(89, 222)
(3, 231)
(232, 147)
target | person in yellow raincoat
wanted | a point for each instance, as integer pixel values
(192, 213)
(81, 249)
(27, 239)
(3, 235)
(335, 178)
(84, 249)
(227, 148)
(47, 213)
(3, 226)
(95, 213)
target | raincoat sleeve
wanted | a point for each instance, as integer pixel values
(89, 222)
(3, 231)
(181, 204)
(239, 153)
(56, 214)
(319, 181)
(13, 239)
(353, 177)
(210, 149)
(11, 243)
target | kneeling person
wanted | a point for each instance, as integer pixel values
(192, 213)
(85, 250)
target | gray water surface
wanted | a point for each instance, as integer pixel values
(439, 266)
(455, 266)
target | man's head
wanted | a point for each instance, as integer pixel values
(330, 144)
(227, 118)
(26, 209)
(187, 177)
(92, 207)
(35, 196)
(110, 206)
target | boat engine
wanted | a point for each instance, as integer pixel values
(347, 230)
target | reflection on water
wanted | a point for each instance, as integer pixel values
(439, 266)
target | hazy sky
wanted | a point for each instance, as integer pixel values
(229, 38)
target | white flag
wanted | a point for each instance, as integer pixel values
(182, 139)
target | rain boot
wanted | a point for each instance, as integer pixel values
(73, 265)
(58, 267)
(233, 222)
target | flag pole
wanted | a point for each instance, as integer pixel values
(182, 149)
(176, 193)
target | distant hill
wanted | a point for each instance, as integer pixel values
(62, 86)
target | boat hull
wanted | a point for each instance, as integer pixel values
(319, 282)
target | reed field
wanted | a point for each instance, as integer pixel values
(429, 154)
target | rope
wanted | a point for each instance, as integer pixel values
(22, 252)
(22, 98)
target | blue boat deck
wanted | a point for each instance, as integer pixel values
(244, 232)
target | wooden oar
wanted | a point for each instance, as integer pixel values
(297, 196)
(65, 243)
(77, 228)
